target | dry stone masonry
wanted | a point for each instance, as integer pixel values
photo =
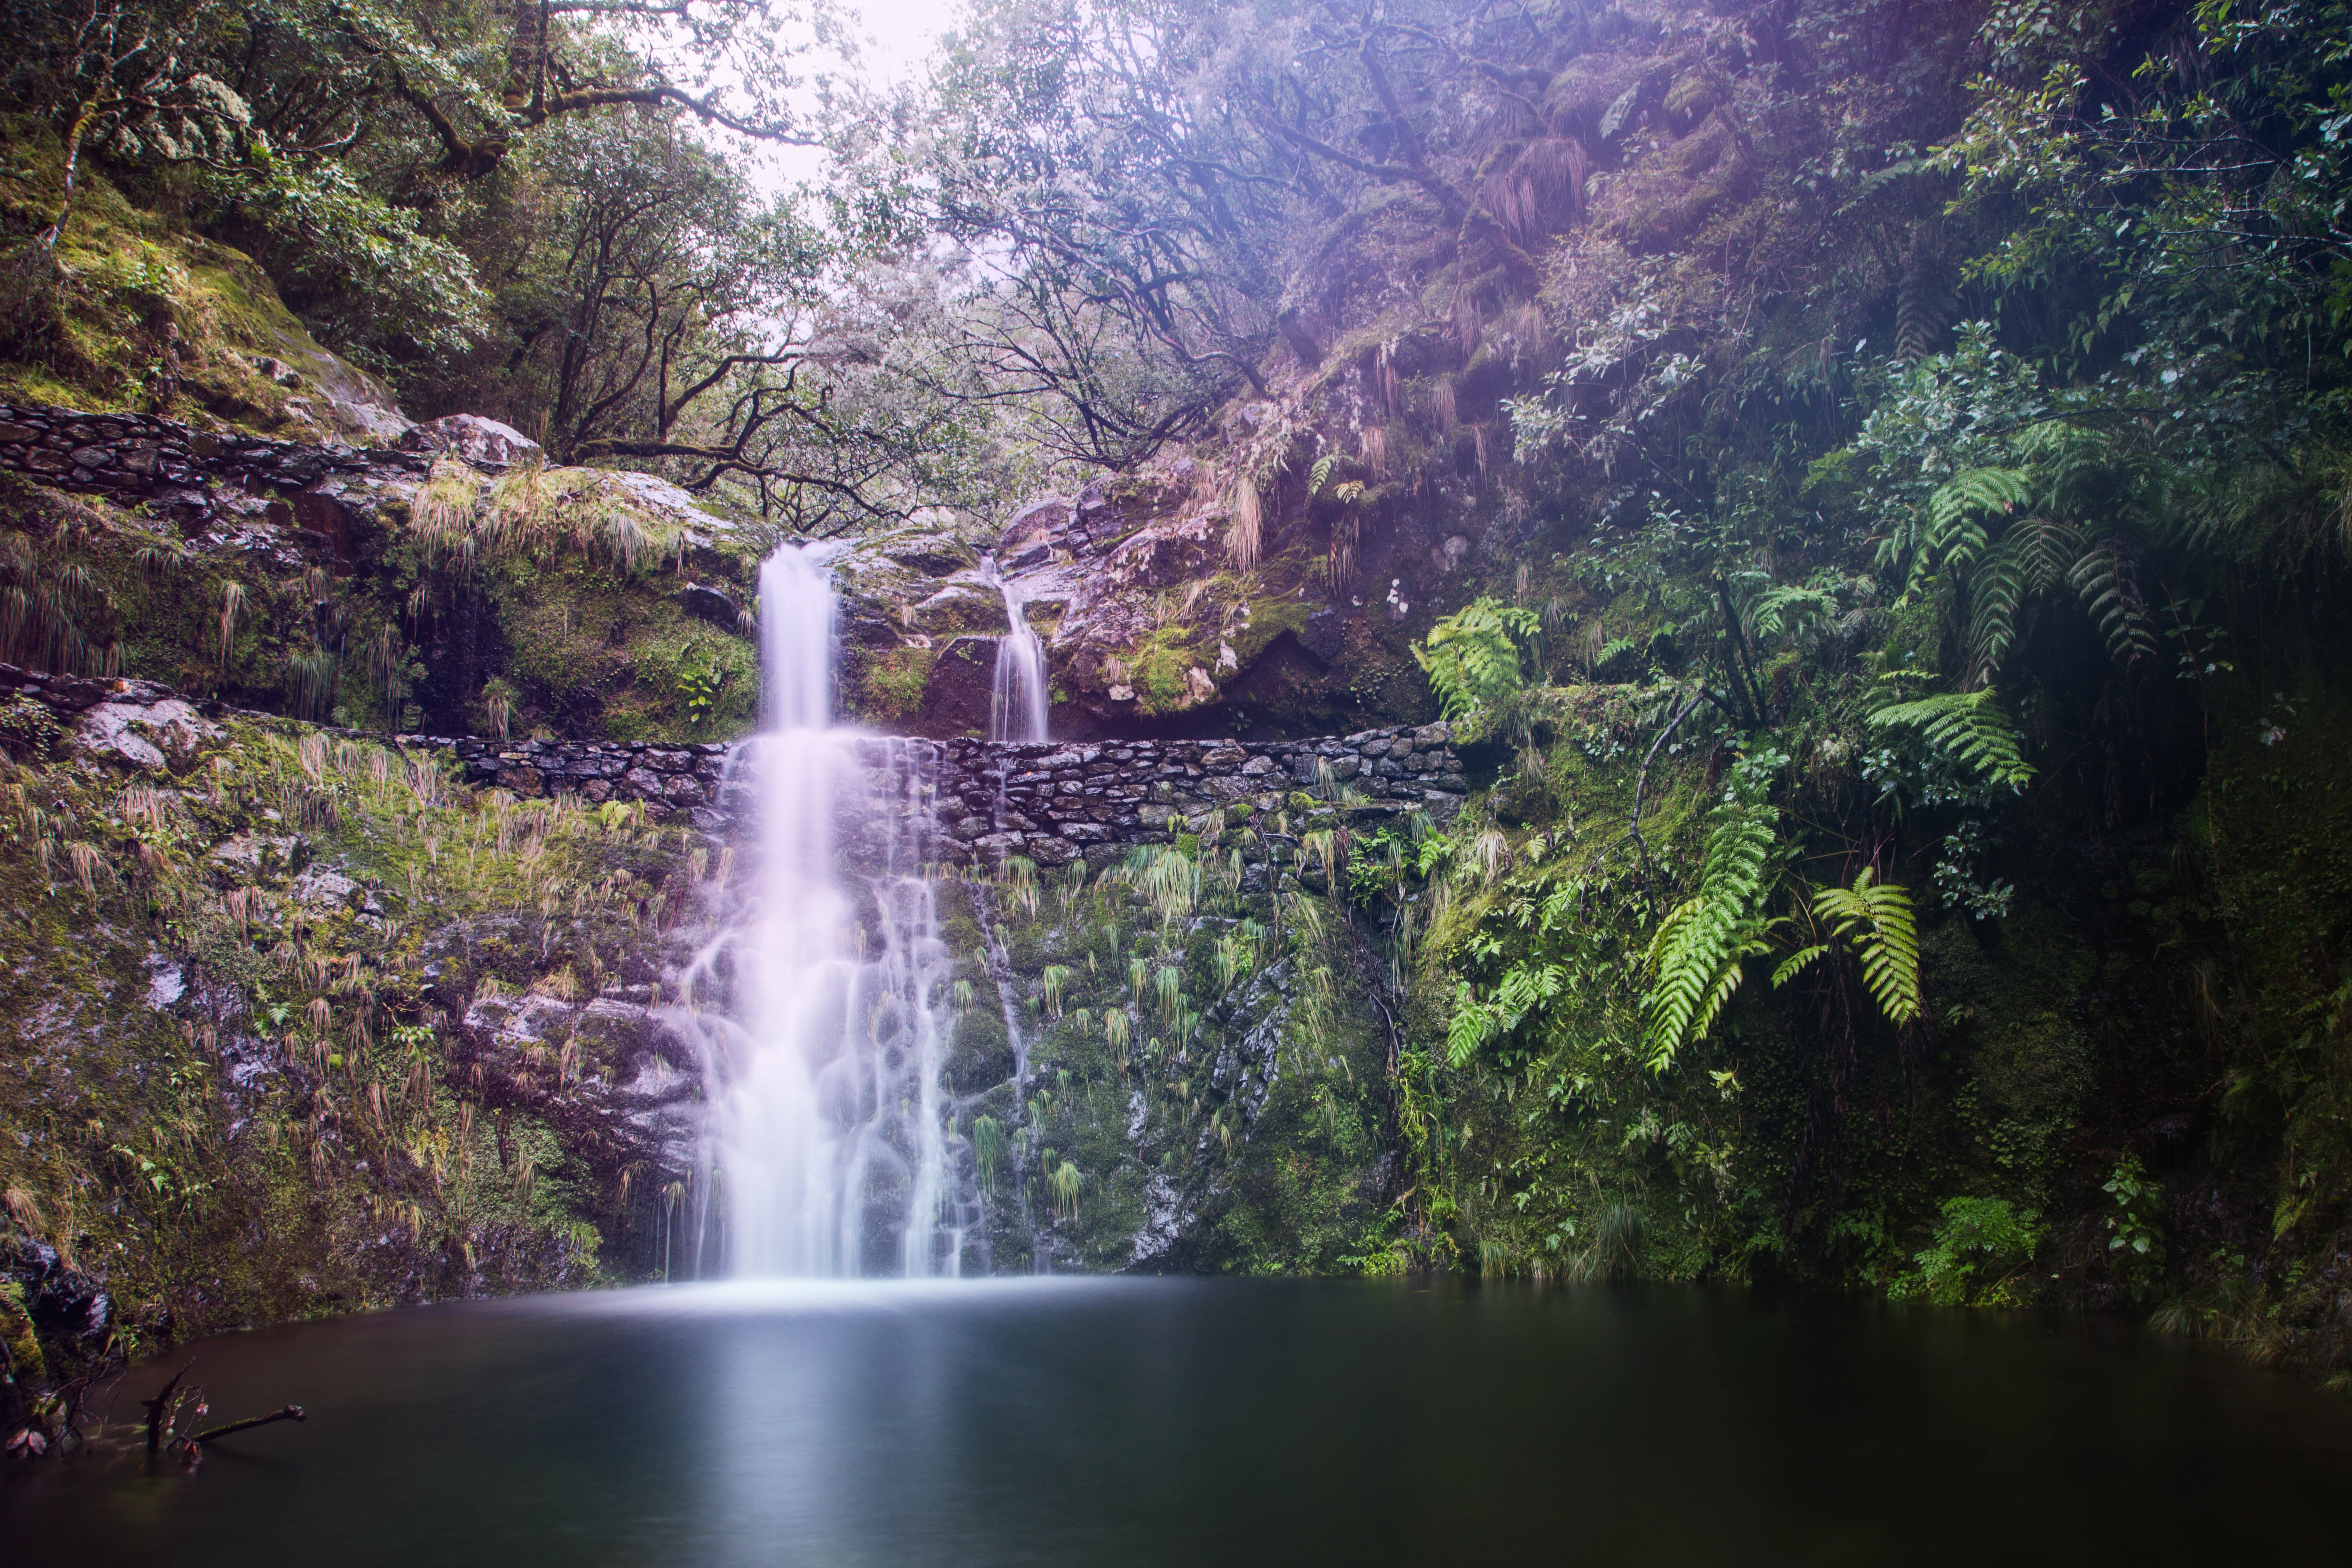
(1053, 803)
(1050, 803)
(180, 471)
(1047, 802)
(196, 476)
(675, 777)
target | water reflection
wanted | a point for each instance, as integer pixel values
(1198, 1422)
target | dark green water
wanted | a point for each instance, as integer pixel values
(1208, 1422)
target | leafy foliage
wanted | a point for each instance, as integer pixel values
(1969, 727)
(1980, 1247)
(1695, 959)
(1874, 919)
(2135, 1237)
(1476, 658)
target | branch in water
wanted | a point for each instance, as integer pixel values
(290, 1413)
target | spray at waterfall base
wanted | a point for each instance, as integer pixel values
(1036, 1066)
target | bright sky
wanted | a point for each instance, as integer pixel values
(894, 38)
(897, 35)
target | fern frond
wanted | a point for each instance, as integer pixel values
(1789, 609)
(1955, 535)
(1474, 656)
(2049, 548)
(1969, 727)
(1996, 592)
(1320, 472)
(1923, 299)
(1695, 959)
(1875, 918)
(1472, 1023)
(2032, 558)
(1790, 967)
(2107, 578)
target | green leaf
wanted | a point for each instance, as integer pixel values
(1875, 918)
(1968, 727)
(1697, 958)
(1797, 960)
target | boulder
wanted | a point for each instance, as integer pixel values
(485, 443)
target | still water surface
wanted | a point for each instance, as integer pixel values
(1150, 1422)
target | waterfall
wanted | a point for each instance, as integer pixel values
(1016, 707)
(818, 1006)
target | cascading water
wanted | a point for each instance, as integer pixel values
(1016, 706)
(819, 1006)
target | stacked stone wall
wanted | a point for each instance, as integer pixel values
(1050, 803)
(139, 457)
(1054, 803)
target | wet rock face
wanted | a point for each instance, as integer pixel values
(1053, 803)
(713, 604)
(962, 684)
(639, 1086)
(484, 443)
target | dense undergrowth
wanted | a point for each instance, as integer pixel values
(236, 987)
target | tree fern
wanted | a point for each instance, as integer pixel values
(1968, 727)
(1694, 960)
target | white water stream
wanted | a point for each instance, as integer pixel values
(1016, 705)
(819, 1008)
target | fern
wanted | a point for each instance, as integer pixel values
(1472, 1024)
(1320, 472)
(1956, 536)
(1474, 658)
(1796, 963)
(1520, 992)
(1614, 118)
(2107, 578)
(1999, 592)
(1694, 960)
(1923, 299)
(1875, 917)
(1790, 609)
(1968, 727)
(2033, 559)
(1871, 183)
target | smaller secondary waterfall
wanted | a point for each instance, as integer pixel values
(1016, 707)
(819, 1006)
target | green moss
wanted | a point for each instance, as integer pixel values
(342, 1167)
(1159, 669)
(895, 679)
(127, 280)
